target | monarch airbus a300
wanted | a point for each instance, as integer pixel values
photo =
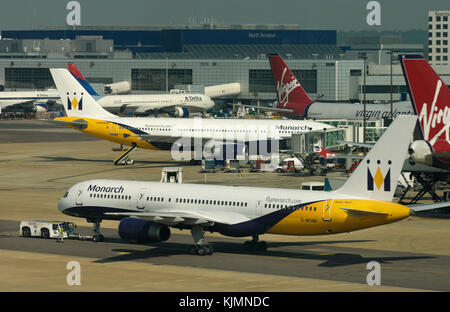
(147, 210)
(85, 114)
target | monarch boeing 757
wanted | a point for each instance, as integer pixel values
(147, 210)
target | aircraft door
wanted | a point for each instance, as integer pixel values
(141, 199)
(79, 195)
(327, 210)
(112, 128)
(259, 207)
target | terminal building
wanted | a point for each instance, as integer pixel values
(157, 59)
(438, 38)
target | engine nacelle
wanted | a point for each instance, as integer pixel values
(421, 151)
(40, 108)
(181, 112)
(122, 87)
(139, 231)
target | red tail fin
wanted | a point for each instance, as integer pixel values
(431, 99)
(289, 91)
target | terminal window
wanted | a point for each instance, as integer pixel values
(29, 78)
(154, 79)
(261, 80)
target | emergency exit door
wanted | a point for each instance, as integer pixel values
(327, 210)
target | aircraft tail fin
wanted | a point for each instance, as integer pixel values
(291, 94)
(76, 100)
(376, 176)
(430, 97)
(80, 78)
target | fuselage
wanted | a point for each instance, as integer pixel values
(145, 102)
(8, 98)
(321, 110)
(163, 132)
(264, 210)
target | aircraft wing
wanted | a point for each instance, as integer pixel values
(368, 145)
(280, 110)
(173, 217)
(28, 104)
(156, 138)
(423, 207)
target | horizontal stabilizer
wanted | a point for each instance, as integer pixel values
(362, 213)
(76, 123)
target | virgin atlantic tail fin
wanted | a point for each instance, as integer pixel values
(291, 94)
(430, 98)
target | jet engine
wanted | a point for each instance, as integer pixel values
(122, 87)
(139, 231)
(421, 151)
(181, 112)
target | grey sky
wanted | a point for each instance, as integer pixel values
(312, 14)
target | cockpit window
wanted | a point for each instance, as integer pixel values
(66, 194)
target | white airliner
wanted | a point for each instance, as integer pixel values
(177, 105)
(85, 114)
(38, 101)
(293, 101)
(148, 209)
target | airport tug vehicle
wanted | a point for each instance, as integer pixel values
(46, 229)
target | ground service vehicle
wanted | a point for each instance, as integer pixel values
(46, 229)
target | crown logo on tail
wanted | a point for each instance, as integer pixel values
(75, 103)
(378, 180)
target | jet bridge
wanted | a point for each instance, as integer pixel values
(302, 145)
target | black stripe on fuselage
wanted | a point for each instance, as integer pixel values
(96, 212)
(258, 225)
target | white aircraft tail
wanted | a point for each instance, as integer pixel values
(76, 100)
(376, 176)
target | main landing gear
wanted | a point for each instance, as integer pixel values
(255, 244)
(199, 248)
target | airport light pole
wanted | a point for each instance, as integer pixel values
(392, 110)
(363, 56)
(167, 73)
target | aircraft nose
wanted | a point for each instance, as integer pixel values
(63, 203)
